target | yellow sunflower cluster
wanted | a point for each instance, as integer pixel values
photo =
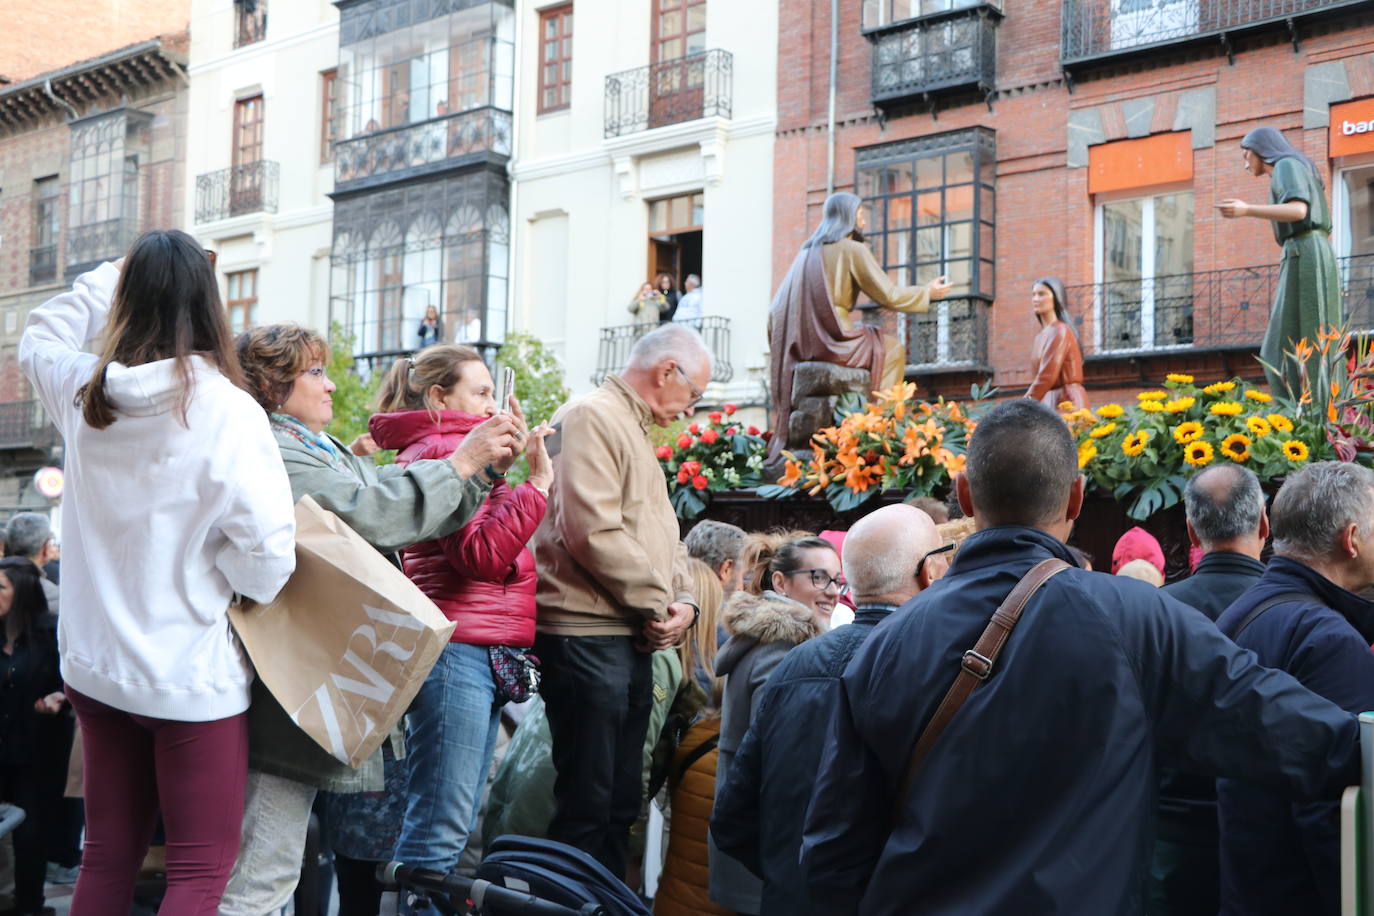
(1101, 432)
(1280, 422)
(1152, 396)
(1259, 427)
(1219, 388)
(1198, 453)
(1227, 408)
(1260, 396)
(1135, 443)
(1110, 411)
(1179, 378)
(1295, 451)
(1187, 432)
(1086, 452)
(1178, 405)
(1236, 447)
(1152, 406)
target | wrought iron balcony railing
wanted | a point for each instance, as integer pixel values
(613, 354)
(236, 191)
(952, 336)
(42, 264)
(670, 92)
(1209, 310)
(1104, 28)
(429, 146)
(936, 53)
(92, 243)
(24, 424)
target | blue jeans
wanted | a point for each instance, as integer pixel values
(451, 733)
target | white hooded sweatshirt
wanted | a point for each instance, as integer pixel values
(162, 523)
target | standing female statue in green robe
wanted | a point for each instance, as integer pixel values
(1308, 295)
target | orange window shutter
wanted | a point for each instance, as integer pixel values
(1154, 160)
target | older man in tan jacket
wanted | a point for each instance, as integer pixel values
(613, 586)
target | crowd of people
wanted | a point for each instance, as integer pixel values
(818, 709)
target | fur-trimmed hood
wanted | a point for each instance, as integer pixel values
(753, 620)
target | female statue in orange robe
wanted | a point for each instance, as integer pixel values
(1058, 359)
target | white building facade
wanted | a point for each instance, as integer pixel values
(644, 145)
(260, 153)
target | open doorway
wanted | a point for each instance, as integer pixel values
(675, 231)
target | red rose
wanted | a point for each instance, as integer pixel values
(694, 429)
(767, 435)
(714, 416)
(753, 430)
(700, 482)
(664, 452)
(684, 441)
(709, 437)
(683, 476)
(730, 409)
(732, 431)
(691, 467)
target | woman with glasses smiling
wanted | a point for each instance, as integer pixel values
(805, 582)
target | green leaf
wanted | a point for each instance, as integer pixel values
(773, 491)
(842, 498)
(688, 503)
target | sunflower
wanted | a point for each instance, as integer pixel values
(1152, 396)
(1280, 423)
(1236, 447)
(1198, 453)
(1226, 408)
(1086, 452)
(1187, 432)
(1110, 411)
(1178, 378)
(1295, 451)
(1067, 405)
(1102, 431)
(1152, 406)
(1219, 387)
(1178, 405)
(1134, 444)
(1260, 396)
(1259, 427)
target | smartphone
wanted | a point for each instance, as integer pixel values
(553, 442)
(507, 389)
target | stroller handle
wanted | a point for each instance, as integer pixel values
(481, 893)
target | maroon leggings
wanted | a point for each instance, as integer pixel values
(136, 767)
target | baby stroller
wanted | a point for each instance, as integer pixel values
(523, 876)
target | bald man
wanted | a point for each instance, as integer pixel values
(889, 557)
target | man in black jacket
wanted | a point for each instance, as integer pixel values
(1039, 797)
(889, 556)
(1226, 519)
(1280, 855)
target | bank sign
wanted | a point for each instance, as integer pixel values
(1352, 128)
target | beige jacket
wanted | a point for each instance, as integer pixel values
(608, 551)
(851, 268)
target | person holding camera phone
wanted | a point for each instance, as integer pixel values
(482, 577)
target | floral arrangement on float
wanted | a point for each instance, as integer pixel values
(709, 457)
(893, 442)
(1145, 451)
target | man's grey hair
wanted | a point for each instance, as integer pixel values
(669, 341)
(715, 542)
(1317, 503)
(1224, 502)
(692, 279)
(26, 534)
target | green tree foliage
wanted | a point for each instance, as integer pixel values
(538, 376)
(539, 383)
(353, 395)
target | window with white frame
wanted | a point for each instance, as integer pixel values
(1144, 271)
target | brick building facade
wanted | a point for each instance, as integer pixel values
(1084, 139)
(91, 154)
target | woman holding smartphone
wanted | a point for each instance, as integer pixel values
(482, 577)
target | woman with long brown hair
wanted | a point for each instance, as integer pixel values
(176, 502)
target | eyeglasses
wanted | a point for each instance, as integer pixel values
(316, 371)
(697, 393)
(944, 548)
(822, 580)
